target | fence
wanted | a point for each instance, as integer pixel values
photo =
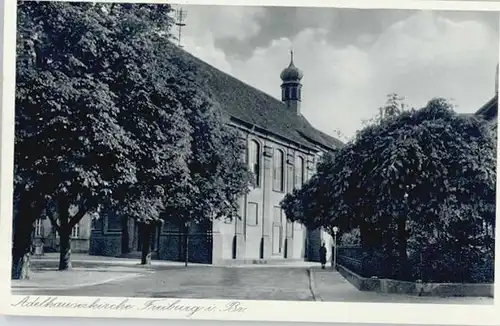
(437, 266)
(364, 262)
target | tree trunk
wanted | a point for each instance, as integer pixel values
(125, 236)
(187, 246)
(65, 249)
(20, 267)
(22, 241)
(363, 235)
(21, 253)
(402, 248)
(64, 235)
(146, 244)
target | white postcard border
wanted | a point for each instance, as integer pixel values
(390, 313)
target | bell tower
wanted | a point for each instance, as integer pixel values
(291, 87)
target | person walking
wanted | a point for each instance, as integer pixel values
(322, 255)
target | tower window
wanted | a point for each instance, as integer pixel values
(294, 93)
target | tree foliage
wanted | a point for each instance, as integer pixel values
(104, 121)
(420, 180)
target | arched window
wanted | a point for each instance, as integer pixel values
(278, 170)
(294, 93)
(299, 172)
(254, 160)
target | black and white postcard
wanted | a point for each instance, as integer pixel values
(331, 163)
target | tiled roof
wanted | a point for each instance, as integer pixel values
(248, 105)
(489, 111)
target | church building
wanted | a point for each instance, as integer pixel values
(283, 149)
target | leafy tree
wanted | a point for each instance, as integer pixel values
(351, 238)
(83, 153)
(419, 173)
(68, 144)
(126, 129)
(393, 107)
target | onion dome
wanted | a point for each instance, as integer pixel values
(291, 73)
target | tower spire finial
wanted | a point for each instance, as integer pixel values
(291, 57)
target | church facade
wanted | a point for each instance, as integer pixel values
(282, 151)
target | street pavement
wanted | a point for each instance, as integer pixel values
(97, 276)
(199, 282)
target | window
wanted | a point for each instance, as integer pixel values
(299, 172)
(38, 227)
(252, 214)
(294, 93)
(114, 223)
(254, 160)
(289, 229)
(277, 235)
(289, 180)
(297, 226)
(75, 231)
(278, 170)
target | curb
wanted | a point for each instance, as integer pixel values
(312, 286)
(71, 287)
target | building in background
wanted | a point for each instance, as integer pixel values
(489, 111)
(46, 238)
(283, 149)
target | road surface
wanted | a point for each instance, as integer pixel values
(241, 283)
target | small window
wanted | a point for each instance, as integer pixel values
(75, 231)
(252, 214)
(38, 227)
(294, 93)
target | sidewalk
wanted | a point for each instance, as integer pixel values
(51, 260)
(75, 278)
(329, 285)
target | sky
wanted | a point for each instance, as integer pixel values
(351, 58)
